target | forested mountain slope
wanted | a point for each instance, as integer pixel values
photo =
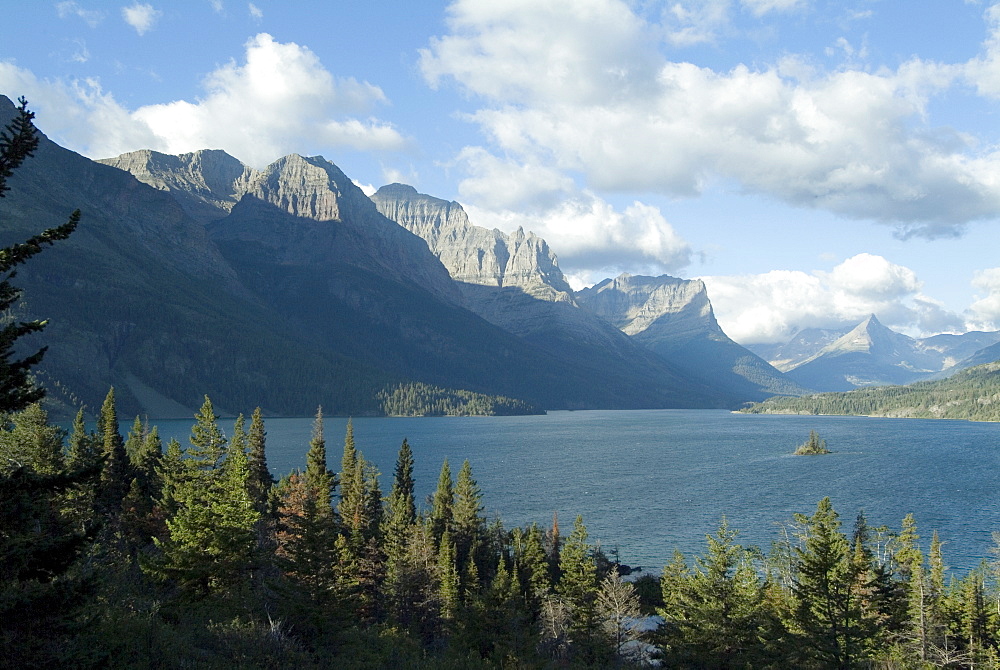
(973, 394)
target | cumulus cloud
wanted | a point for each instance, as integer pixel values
(593, 240)
(583, 87)
(773, 306)
(985, 311)
(279, 100)
(141, 16)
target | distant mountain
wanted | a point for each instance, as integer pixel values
(970, 394)
(514, 282)
(674, 319)
(872, 354)
(805, 344)
(868, 355)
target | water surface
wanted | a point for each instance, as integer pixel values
(648, 482)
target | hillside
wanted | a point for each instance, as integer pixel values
(284, 288)
(972, 394)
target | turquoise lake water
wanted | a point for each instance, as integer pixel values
(649, 482)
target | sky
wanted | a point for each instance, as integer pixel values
(812, 162)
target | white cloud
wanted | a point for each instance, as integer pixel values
(217, 6)
(773, 306)
(593, 240)
(255, 12)
(985, 312)
(91, 17)
(583, 88)
(280, 100)
(141, 16)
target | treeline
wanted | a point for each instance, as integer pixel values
(116, 552)
(972, 394)
(417, 399)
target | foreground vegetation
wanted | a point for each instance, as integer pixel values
(116, 552)
(972, 394)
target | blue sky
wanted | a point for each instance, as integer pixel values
(812, 161)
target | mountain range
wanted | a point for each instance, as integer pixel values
(870, 354)
(289, 288)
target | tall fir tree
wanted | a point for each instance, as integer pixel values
(442, 502)
(208, 444)
(578, 582)
(827, 611)
(468, 523)
(261, 480)
(116, 474)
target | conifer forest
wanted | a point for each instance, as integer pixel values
(119, 551)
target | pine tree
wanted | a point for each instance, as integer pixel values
(82, 450)
(261, 481)
(717, 613)
(578, 581)
(442, 503)
(32, 442)
(469, 526)
(116, 475)
(827, 612)
(401, 517)
(18, 141)
(449, 588)
(208, 444)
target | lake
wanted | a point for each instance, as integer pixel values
(649, 482)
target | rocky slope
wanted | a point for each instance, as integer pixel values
(306, 243)
(514, 282)
(674, 318)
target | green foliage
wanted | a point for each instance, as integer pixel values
(417, 399)
(972, 394)
(813, 446)
(17, 142)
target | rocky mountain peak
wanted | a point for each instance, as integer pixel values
(473, 254)
(206, 183)
(635, 304)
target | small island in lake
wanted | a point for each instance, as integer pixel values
(814, 445)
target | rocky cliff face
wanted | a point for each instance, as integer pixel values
(674, 318)
(660, 309)
(472, 254)
(327, 216)
(206, 183)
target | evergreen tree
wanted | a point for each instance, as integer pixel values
(261, 481)
(116, 474)
(208, 444)
(442, 503)
(469, 526)
(449, 588)
(827, 613)
(578, 583)
(18, 141)
(31, 442)
(400, 520)
(717, 614)
(532, 565)
(81, 450)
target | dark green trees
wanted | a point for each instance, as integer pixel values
(17, 142)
